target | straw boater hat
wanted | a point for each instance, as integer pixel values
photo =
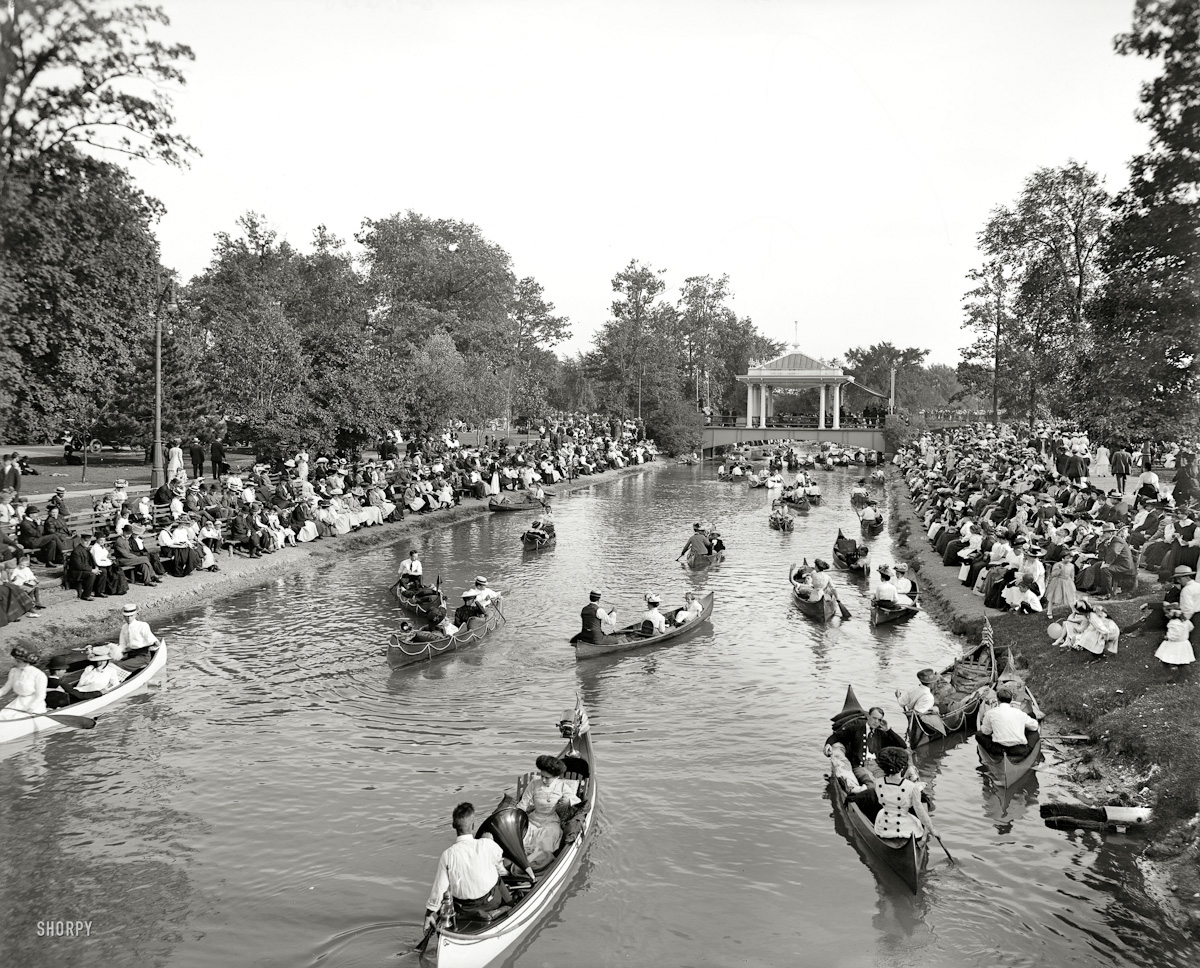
(652, 599)
(479, 580)
(1183, 571)
(129, 609)
(594, 595)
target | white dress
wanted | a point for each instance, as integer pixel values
(544, 833)
(1175, 648)
(29, 684)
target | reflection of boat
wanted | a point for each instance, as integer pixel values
(631, 637)
(138, 682)
(906, 858)
(884, 612)
(404, 650)
(471, 943)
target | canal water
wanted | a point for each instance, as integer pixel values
(283, 799)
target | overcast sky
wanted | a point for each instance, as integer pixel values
(834, 157)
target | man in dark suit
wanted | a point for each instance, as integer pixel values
(126, 557)
(244, 534)
(217, 453)
(1121, 463)
(863, 739)
(81, 572)
(10, 475)
(196, 454)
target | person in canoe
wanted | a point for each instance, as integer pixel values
(542, 528)
(901, 812)
(863, 739)
(919, 699)
(698, 544)
(27, 683)
(653, 617)
(136, 640)
(469, 609)
(904, 584)
(103, 675)
(691, 609)
(885, 592)
(802, 582)
(1006, 728)
(411, 570)
(540, 801)
(870, 514)
(859, 493)
(598, 621)
(485, 596)
(469, 870)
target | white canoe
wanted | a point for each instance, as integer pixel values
(13, 729)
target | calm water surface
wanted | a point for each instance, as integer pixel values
(282, 801)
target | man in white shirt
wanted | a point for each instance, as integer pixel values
(410, 570)
(1005, 727)
(919, 698)
(136, 636)
(483, 595)
(1189, 590)
(654, 616)
(469, 871)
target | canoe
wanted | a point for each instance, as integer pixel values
(1004, 770)
(859, 500)
(698, 562)
(782, 524)
(534, 542)
(873, 528)
(969, 673)
(813, 499)
(136, 684)
(797, 504)
(469, 943)
(403, 651)
(878, 477)
(630, 637)
(415, 604)
(858, 567)
(756, 482)
(509, 506)
(905, 858)
(823, 610)
(883, 614)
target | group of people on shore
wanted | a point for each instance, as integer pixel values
(1031, 537)
(185, 524)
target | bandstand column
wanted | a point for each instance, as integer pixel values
(749, 404)
(770, 402)
(821, 412)
(837, 406)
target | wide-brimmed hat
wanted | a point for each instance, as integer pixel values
(927, 677)
(25, 654)
(1035, 551)
(1183, 571)
(470, 593)
(99, 653)
(120, 482)
(885, 571)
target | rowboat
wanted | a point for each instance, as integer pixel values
(699, 562)
(859, 498)
(1006, 771)
(757, 481)
(971, 675)
(823, 610)
(537, 540)
(872, 528)
(796, 503)
(418, 604)
(137, 683)
(842, 559)
(905, 858)
(509, 506)
(781, 522)
(883, 613)
(470, 943)
(878, 477)
(631, 637)
(813, 499)
(404, 650)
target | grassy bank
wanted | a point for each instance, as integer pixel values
(1145, 727)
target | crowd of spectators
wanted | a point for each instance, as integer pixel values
(187, 523)
(1017, 517)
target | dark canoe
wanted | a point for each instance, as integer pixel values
(1006, 771)
(882, 614)
(905, 858)
(823, 610)
(697, 562)
(507, 506)
(813, 499)
(782, 524)
(968, 674)
(419, 605)
(797, 504)
(843, 562)
(533, 542)
(859, 500)
(873, 528)
(630, 637)
(469, 943)
(405, 651)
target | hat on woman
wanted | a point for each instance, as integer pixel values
(469, 593)
(885, 571)
(23, 653)
(99, 653)
(652, 599)
(120, 482)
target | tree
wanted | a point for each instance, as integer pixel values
(78, 72)
(873, 365)
(1142, 374)
(78, 276)
(703, 317)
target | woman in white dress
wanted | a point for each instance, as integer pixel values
(27, 682)
(901, 813)
(174, 460)
(540, 802)
(1100, 463)
(1088, 628)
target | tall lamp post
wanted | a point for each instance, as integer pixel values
(156, 457)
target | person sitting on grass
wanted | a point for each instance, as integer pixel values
(23, 576)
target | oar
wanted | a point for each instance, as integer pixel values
(845, 611)
(78, 722)
(943, 846)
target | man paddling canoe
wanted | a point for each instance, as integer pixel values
(469, 870)
(698, 544)
(597, 621)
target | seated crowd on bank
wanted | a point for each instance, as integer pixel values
(186, 524)
(1026, 530)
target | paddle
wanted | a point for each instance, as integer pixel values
(844, 610)
(78, 722)
(943, 846)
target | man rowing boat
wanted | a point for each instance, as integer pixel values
(469, 870)
(698, 544)
(598, 621)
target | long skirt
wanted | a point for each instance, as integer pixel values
(14, 602)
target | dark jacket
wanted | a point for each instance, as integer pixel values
(854, 737)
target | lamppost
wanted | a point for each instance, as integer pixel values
(156, 455)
